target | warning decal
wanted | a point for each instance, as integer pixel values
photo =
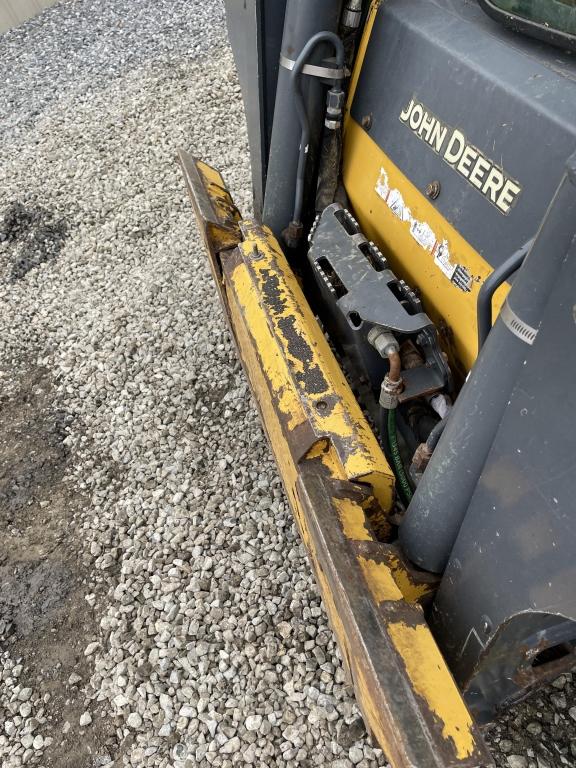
(424, 235)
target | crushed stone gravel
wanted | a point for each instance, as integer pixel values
(211, 647)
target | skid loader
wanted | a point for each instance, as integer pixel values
(404, 304)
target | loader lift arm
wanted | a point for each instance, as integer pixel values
(337, 481)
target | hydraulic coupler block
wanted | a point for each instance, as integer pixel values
(360, 293)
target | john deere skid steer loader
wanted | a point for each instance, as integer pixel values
(404, 304)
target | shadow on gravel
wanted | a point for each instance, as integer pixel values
(45, 619)
(31, 236)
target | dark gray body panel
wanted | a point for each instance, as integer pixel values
(513, 568)
(513, 98)
(442, 498)
(255, 33)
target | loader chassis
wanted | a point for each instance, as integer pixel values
(361, 316)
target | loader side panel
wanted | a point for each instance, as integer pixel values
(456, 139)
(255, 34)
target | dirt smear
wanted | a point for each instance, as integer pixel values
(45, 619)
(31, 236)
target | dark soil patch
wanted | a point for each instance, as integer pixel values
(44, 617)
(33, 236)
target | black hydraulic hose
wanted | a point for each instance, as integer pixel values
(404, 487)
(436, 434)
(319, 37)
(489, 288)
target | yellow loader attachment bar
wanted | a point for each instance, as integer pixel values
(340, 488)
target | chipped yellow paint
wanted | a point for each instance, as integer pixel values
(259, 372)
(411, 591)
(287, 400)
(322, 449)
(353, 519)
(432, 681)
(381, 483)
(270, 358)
(225, 233)
(212, 180)
(353, 468)
(362, 459)
(380, 580)
(271, 382)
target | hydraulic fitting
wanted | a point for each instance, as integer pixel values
(293, 234)
(352, 14)
(389, 392)
(334, 106)
(383, 341)
(387, 346)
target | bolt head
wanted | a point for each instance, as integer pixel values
(433, 189)
(367, 122)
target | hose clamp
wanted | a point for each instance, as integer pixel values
(517, 325)
(316, 70)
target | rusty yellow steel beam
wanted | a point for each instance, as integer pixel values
(338, 482)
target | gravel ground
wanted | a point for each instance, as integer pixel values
(156, 606)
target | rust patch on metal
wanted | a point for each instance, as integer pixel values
(528, 676)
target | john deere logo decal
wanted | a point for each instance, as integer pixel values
(467, 160)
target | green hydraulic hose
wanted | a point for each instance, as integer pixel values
(403, 483)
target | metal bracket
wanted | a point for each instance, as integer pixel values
(316, 70)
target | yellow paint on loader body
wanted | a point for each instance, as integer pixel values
(440, 691)
(380, 580)
(352, 519)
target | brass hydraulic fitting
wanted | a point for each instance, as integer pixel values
(387, 346)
